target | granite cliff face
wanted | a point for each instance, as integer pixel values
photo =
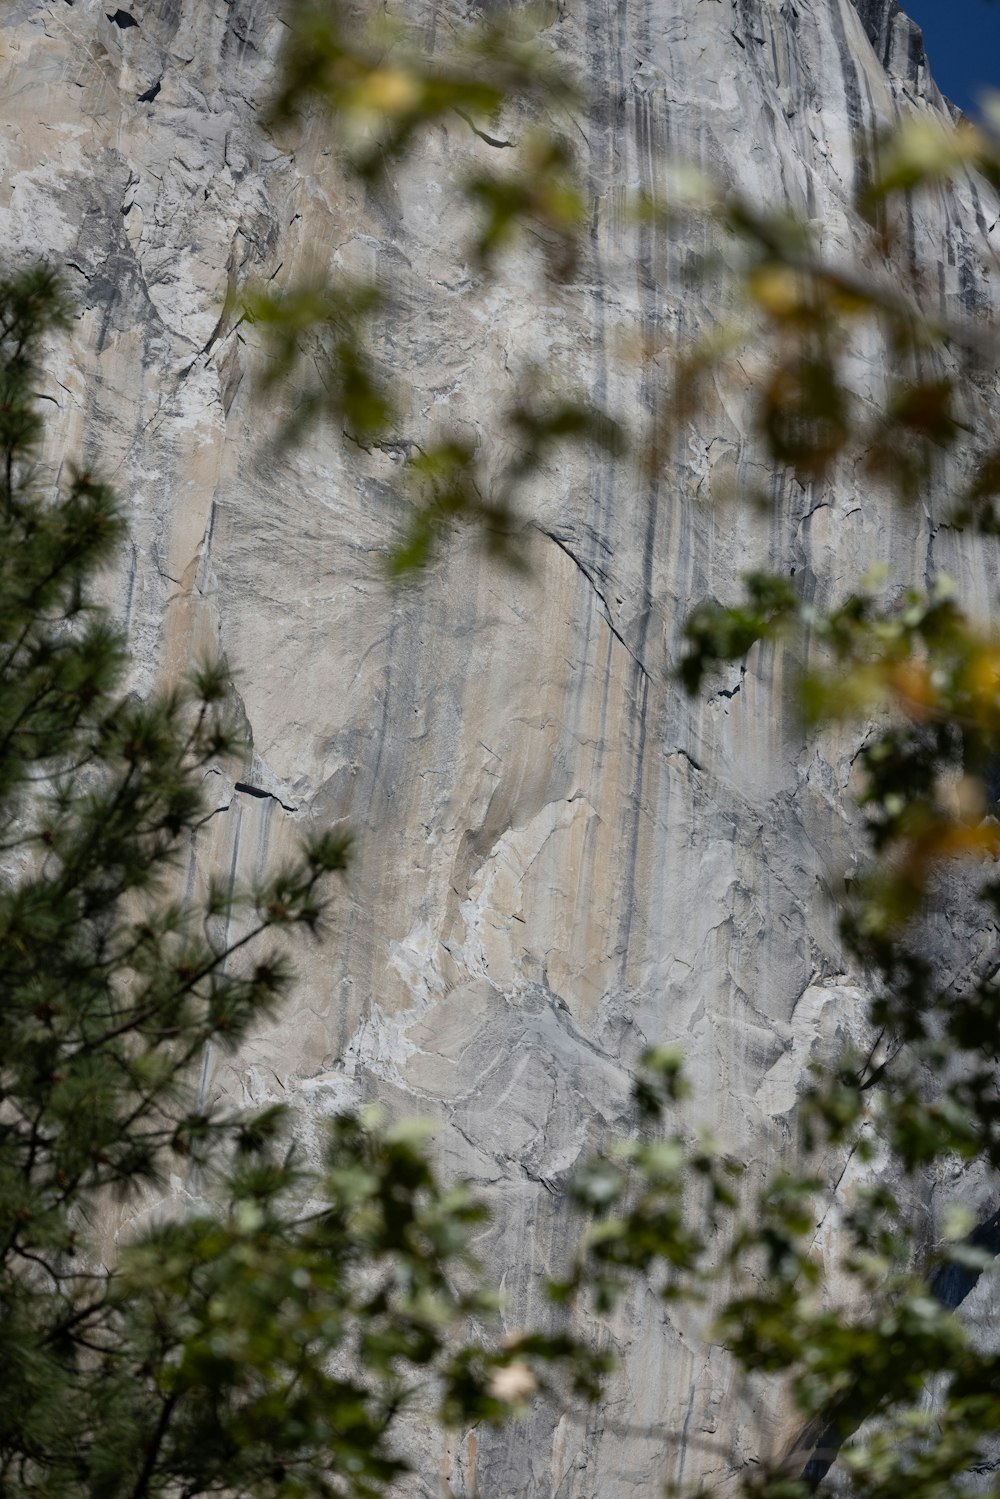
(560, 858)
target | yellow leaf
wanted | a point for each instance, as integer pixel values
(777, 289)
(389, 91)
(911, 682)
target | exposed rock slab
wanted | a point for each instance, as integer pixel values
(561, 859)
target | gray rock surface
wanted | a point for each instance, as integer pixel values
(560, 858)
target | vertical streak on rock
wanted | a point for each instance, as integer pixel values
(857, 116)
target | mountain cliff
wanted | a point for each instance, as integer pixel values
(561, 859)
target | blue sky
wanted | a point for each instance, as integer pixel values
(963, 44)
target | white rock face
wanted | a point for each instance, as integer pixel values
(560, 858)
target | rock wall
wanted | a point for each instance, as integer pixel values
(560, 858)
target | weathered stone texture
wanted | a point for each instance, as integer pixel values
(560, 858)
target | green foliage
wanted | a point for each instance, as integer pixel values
(718, 633)
(375, 89)
(379, 89)
(922, 681)
(335, 323)
(450, 485)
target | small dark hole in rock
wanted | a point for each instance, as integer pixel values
(121, 19)
(151, 93)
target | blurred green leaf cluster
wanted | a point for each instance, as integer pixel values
(845, 1302)
(377, 91)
